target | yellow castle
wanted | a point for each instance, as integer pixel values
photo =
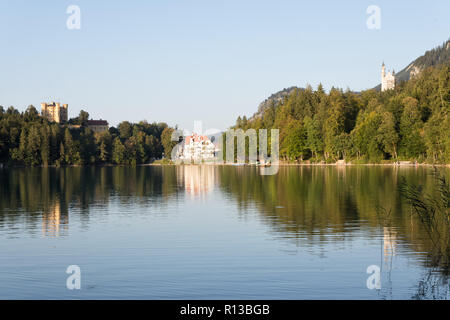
(54, 112)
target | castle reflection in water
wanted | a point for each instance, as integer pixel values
(55, 222)
(307, 203)
(197, 180)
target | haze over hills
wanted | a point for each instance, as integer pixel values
(433, 57)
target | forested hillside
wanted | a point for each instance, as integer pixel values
(409, 123)
(30, 140)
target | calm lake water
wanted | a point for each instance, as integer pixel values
(213, 232)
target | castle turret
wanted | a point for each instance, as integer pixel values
(43, 109)
(387, 79)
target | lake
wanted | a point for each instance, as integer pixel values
(214, 232)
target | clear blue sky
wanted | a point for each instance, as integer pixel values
(180, 61)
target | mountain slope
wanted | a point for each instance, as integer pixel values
(433, 57)
(275, 98)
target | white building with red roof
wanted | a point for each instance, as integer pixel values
(198, 147)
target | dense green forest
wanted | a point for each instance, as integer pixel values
(410, 122)
(28, 139)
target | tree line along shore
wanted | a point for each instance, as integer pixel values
(27, 139)
(409, 123)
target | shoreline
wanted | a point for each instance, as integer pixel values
(238, 165)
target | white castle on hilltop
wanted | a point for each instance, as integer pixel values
(387, 80)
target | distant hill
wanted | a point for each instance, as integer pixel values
(432, 57)
(275, 98)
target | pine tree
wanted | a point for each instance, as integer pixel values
(104, 154)
(314, 139)
(69, 148)
(33, 147)
(62, 154)
(412, 143)
(45, 145)
(118, 155)
(22, 150)
(387, 135)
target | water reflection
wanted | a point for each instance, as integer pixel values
(45, 195)
(389, 243)
(197, 180)
(309, 206)
(298, 202)
(55, 221)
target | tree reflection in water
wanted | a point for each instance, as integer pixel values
(306, 205)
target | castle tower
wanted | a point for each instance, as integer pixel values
(63, 113)
(54, 112)
(387, 79)
(43, 109)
